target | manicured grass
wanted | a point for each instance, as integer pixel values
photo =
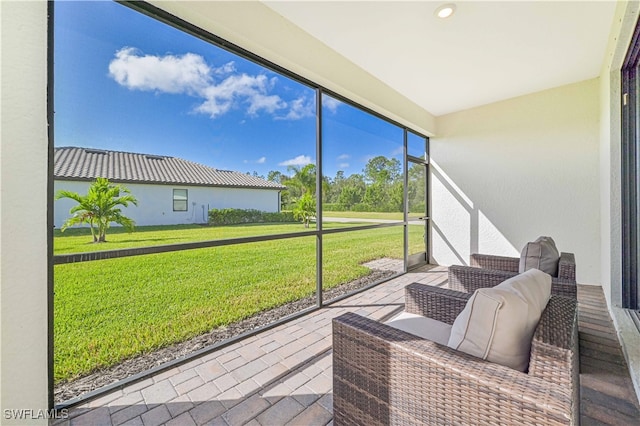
(344, 253)
(110, 310)
(107, 311)
(78, 240)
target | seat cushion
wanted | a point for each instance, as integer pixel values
(497, 324)
(540, 254)
(420, 326)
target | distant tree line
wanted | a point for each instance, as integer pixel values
(378, 188)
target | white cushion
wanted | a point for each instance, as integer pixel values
(420, 326)
(541, 254)
(534, 286)
(497, 324)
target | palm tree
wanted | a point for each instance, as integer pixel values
(99, 208)
(303, 179)
(305, 209)
(302, 187)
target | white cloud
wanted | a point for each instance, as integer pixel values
(399, 150)
(343, 165)
(344, 157)
(269, 103)
(330, 103)
(190, 74)
(300, 160)
(252, 90)
(227, 68)
(170, 74)
(299, 108)
(260, 160)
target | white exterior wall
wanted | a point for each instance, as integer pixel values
(611, 148)
(506, 173)
(23, 210)
(155, 202)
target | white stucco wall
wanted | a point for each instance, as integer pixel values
(23, 210)
(610, 156)
(506, 173)
(155, 202)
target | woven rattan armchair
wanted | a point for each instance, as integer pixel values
(382, 375)
(489, 271)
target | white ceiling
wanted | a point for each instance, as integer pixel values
(485, 52)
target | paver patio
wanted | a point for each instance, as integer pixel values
(283, 376)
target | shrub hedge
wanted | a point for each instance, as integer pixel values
(334, 207)
(236, 216)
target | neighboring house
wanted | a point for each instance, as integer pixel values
(169, 190)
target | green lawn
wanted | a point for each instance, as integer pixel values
(78, 240)
(110, 310)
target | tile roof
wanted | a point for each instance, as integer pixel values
(73, 163)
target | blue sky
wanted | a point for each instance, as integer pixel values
(126, 82)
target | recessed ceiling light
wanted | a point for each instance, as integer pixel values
(445, 10)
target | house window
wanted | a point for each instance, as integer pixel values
(180, 199)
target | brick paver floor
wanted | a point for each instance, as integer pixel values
(281, 376)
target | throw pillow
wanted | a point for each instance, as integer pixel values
(541, 254)
(497, 324)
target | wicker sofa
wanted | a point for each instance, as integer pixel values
(382, 375)
(489, 271)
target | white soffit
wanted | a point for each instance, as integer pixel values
(485, 52)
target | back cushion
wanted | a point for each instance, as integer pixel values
(497, 324)
(541, 254)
